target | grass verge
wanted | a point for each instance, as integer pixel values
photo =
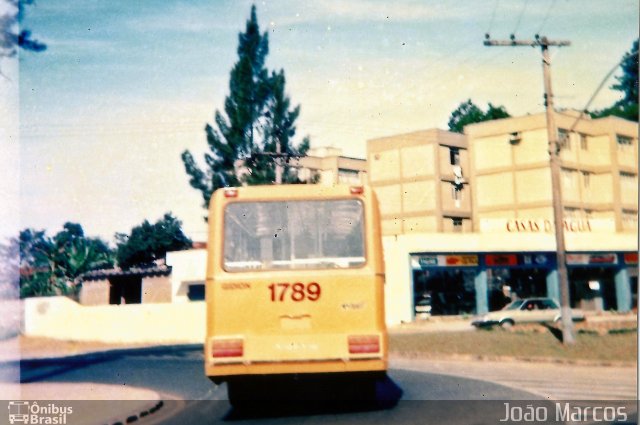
(612, 347)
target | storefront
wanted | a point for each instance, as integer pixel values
(452, 284)
(473, 273)
(603, 281)
(512, 276)
(445, 283)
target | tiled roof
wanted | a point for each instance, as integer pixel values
(161, 270)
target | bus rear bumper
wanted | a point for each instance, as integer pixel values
(219, 373)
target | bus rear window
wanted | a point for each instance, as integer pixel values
(293, 235)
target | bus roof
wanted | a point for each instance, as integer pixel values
(291, 191)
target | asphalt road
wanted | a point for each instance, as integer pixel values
(190, 398)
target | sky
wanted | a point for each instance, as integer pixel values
(92, 129)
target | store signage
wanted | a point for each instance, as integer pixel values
(428, 261)
(509, 260)
(592, 259)
(631, 258)
(540, 225)
(501, 260)
(464, 260)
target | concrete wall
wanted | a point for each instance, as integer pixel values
(62, 318)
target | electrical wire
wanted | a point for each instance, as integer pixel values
(524, 8)
(546, 16)
(493, 15)
(600, 86)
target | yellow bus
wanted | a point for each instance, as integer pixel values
(295, 287)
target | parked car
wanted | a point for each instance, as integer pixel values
(528, 310)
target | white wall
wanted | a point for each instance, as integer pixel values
(62, 318)
(188, 267)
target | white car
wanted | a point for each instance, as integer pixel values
(528, 310)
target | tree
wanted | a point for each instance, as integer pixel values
(257, 114)
(627, 107)
(75, 254)
(279, 130)
(10, 39)
(53, 266)
(150, 242)
(469, 113)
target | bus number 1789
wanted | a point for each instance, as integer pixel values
(297, 291)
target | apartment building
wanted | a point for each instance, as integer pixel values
(505, 248)
(421, 180)
(327, 165)
(599, 170)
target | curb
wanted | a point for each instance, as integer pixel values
(478, 357)
(99, 355)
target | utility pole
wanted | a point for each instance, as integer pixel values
(277, 157)
(278, 163)
(554, 161)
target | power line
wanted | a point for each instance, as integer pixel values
(524, 8)
(493, 15)
(600, 86)
(546, 16)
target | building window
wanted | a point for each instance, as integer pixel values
(348, 176)
(195, 292)
(586, 179)
(563, 139)
(568, 179)
(629, 219)
(456, 194)
(625, 143)
(457, 225)
(454, 156)
(571, 213)
(628, 181)
(584, 143)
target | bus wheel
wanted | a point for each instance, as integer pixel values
(239, 393)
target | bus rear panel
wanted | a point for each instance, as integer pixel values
(294, 282)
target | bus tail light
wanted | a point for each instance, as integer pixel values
(231, 192)
(363, 344)
(356, 190)
(227, 348)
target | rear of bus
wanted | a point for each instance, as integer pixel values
(294, 284)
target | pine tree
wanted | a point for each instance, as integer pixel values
(256, 114)
(278, 131)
